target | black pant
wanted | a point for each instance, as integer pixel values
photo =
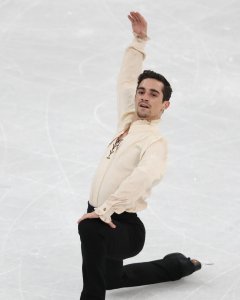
(105, 248)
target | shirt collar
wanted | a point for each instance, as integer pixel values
(144, 122)
(142, 125)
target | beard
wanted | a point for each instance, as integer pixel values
(143, 113)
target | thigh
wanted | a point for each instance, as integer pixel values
(124, 241)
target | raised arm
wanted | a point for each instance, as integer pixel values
(130, 70)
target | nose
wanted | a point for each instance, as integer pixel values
(144, 97)
(144, 100)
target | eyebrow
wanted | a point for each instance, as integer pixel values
(152, 90)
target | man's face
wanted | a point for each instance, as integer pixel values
(149, 103)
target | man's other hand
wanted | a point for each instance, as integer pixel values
(93, 215)
(139, 24)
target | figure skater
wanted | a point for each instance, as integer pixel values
(134, 161)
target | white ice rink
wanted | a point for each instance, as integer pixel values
(58, 66)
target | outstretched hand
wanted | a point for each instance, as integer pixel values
(139, 24)
(93, 215)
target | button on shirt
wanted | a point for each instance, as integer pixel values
(128, 171)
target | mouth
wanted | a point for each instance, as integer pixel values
(144, 105)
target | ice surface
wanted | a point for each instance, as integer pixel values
(58, 64)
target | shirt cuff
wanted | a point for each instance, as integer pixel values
(141, 39)
(139, 43)
(104, 211)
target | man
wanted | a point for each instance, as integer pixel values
(134, 161)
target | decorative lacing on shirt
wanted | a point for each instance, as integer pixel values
(115, 145)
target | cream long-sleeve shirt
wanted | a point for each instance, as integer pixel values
(124, 179)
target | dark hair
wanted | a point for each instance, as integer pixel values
(167, 90)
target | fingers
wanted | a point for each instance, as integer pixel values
(112, 225)
(133, 17)
(82, 218)
(130, 17)
(86, 216)
(136, 17)
(91, 215)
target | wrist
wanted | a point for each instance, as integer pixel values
(142, 36)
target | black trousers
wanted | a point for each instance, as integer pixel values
(105, 248)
